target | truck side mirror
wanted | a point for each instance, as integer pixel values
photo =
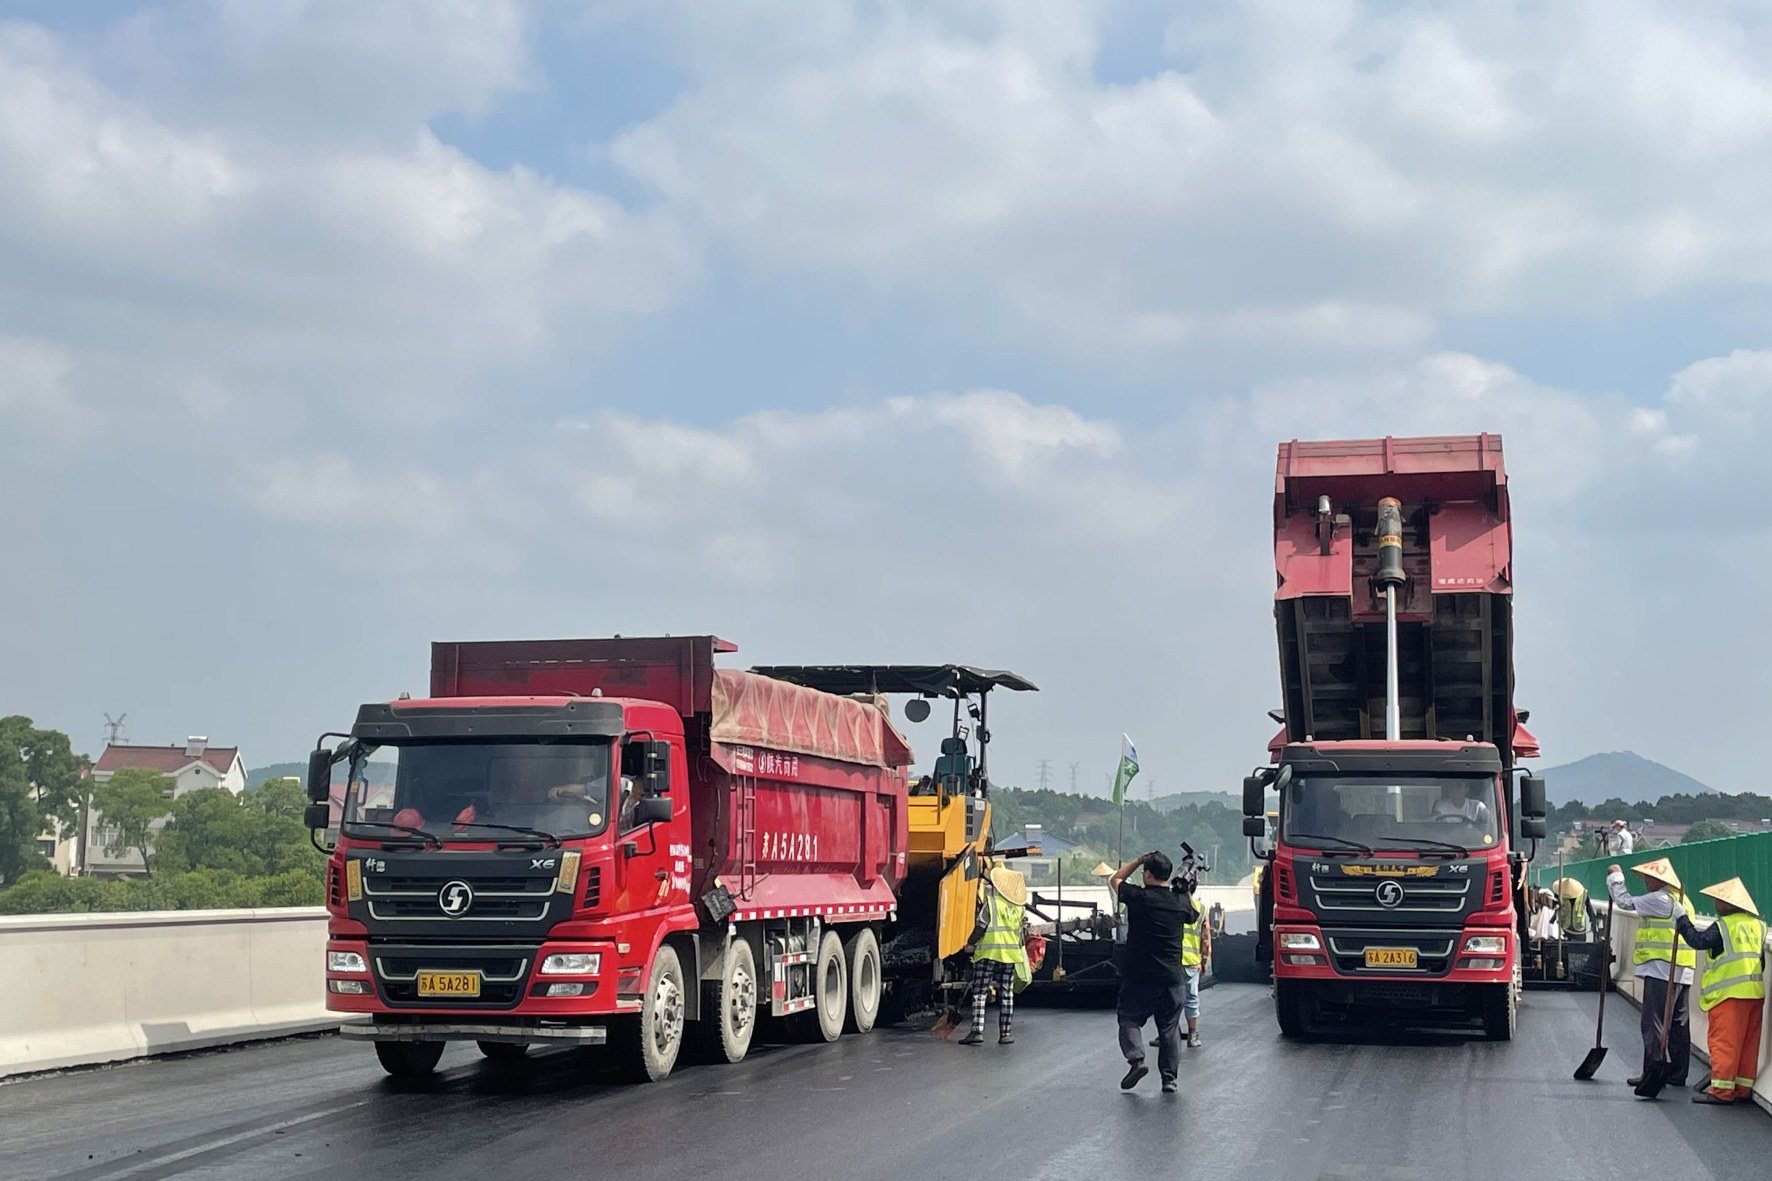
(1533, 827)
(655, 764)
(1254, 801)
(319, 778)
(652, 810)
(1532, 797)
(317, 816)
(1253, 826)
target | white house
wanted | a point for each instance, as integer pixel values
(192, 766)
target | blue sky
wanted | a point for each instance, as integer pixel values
(867, 331)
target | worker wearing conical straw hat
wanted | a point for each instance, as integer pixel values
(1571, 908)
(1732, 990)
(1658, 965)
(1000, 955)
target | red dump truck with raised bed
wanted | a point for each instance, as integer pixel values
(608, 842)
(1394, 869)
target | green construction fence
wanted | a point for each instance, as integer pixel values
(1700, 864)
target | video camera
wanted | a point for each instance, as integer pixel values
(1188, 871)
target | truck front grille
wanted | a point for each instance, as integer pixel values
(1435, 896)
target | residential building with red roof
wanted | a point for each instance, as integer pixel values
(189, 766)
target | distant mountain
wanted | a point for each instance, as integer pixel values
(1195, 799)
(1620, 775)
(380, 774)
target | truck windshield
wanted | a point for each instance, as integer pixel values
(459, 791)
(1443, 813)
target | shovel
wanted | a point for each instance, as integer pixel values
(1655, 1075)
(1591, 1064)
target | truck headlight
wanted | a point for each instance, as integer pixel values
(573, 964)
(353, 987)
(1485, 945)
(1300, 941)
(345, 961)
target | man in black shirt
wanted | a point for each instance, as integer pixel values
(1151, 983)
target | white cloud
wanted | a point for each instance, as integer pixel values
(1327, 179)
(34, 393)
(236, 282)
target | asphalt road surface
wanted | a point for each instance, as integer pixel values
(900, 1104)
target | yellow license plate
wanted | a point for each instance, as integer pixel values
(1390, 957)
(449, 984)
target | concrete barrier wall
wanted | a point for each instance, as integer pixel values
(86, 988)
(1624, 934)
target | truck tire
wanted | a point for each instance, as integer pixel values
(1501, 1009)
(504, 1051)
(866, 980)
(729, 1007)
(1292, 1005)
(647, 1046)
(830, 986)
(408, 1059)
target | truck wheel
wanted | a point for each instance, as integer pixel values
(862, 955)
(1501, 1009)
(647, 1047)
(729, 1007)
(830, 988)
(408, 1059)
(504, 1051)
(1292, 1005)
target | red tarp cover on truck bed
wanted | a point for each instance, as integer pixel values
(749, 710)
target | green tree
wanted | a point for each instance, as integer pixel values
(40, 791)
(257, 835)
(130, 801)
(1707, 830)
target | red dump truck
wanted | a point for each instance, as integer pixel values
(592, 842)
(1394, 868)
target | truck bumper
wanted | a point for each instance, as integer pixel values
(383, 982)
(523, 1034)
(1447, 961)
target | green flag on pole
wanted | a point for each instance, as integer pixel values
(1128, 769)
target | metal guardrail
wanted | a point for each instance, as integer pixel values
(1702, 863)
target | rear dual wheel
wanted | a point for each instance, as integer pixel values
(830, 989)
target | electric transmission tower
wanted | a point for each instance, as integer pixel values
(1045, 773)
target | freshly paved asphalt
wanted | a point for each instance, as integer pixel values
(900, 1104)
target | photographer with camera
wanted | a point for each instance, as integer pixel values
(1152, 983)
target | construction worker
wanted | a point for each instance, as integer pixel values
(1654, 949)
(1196, 949)
(1000, 955)
(1571, 908)
(1732, 990)
(1623, 839)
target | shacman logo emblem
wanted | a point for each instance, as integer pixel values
(455, 898)
(1389, 894)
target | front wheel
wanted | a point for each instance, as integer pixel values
(409, 1059)
(1501, 1010)
(647, 1046)
(1292, 1006)
(729, 1006)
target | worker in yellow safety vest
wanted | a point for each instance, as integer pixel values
(1731, 990)
(1658, 967)
(1000, 954)
(1196, 950)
